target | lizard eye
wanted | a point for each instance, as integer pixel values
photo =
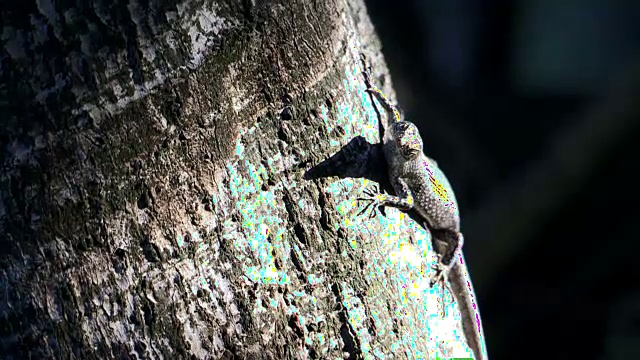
(400, 128)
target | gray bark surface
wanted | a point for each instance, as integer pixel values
(152, 199)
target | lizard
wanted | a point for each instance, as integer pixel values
(419, 184)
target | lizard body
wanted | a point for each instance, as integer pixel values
(420, 184)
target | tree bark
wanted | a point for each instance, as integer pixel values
(153, 198)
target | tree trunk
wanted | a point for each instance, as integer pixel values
(153, 197)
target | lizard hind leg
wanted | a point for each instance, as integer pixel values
(441, 276)
(447, 243)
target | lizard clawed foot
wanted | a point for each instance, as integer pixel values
(366, 68)
(441, 276)
(374, 199)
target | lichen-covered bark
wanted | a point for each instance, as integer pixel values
(152, 203)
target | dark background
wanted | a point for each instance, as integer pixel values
(530, 109)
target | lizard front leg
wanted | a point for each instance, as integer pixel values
(403, 200)
(372, 89)
(388, 106)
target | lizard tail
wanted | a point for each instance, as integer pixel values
(465, 298)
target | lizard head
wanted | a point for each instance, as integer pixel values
(407, 138)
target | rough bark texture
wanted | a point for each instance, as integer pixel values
(152, 199)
